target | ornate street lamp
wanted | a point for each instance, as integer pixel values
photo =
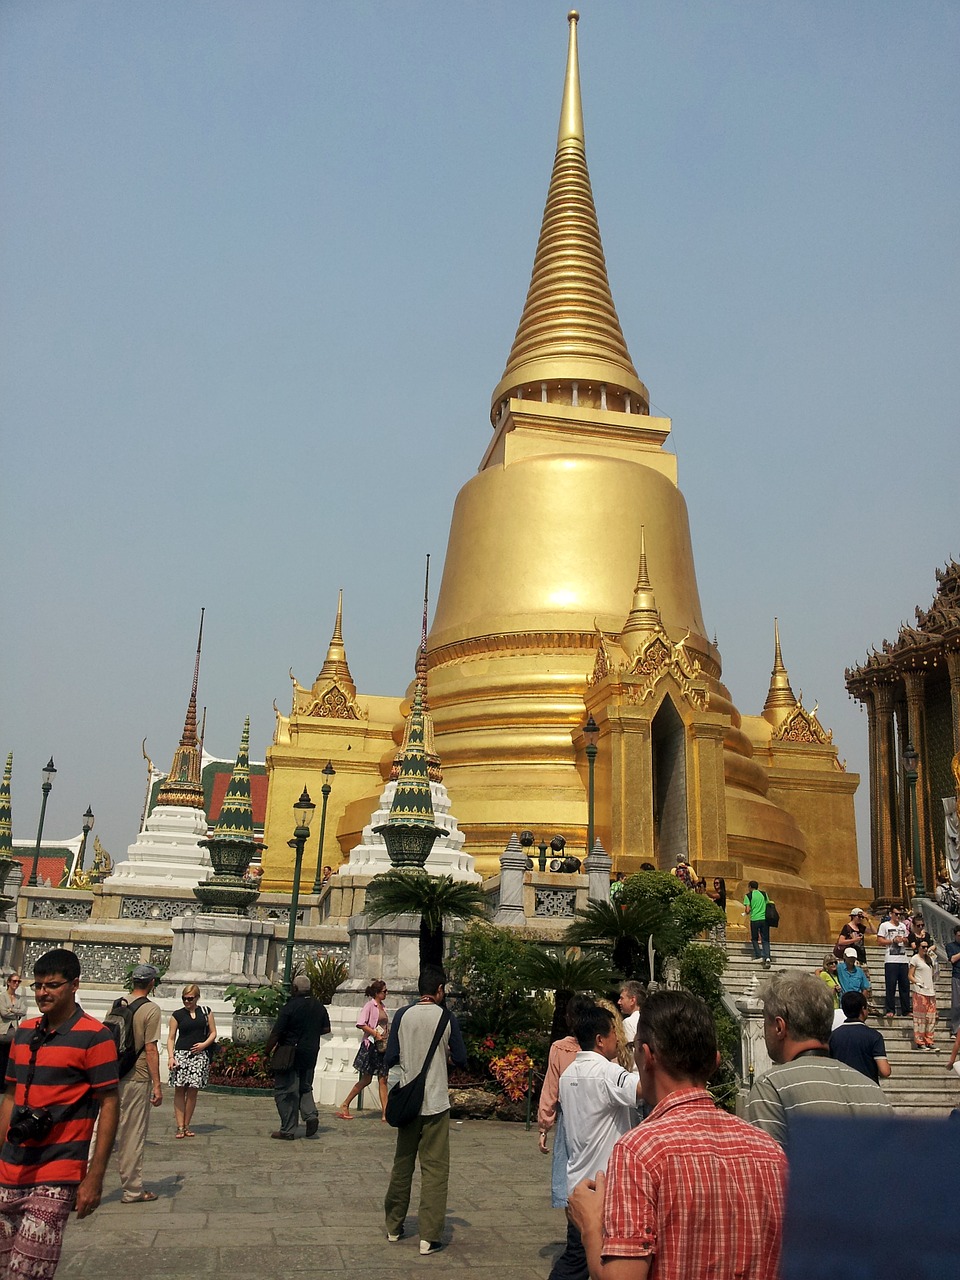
(48, 776)
(911, 760)
(303, 811)
(591, 732)
(328, 772)
(88, 821)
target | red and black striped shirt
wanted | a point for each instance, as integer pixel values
(75, 1067)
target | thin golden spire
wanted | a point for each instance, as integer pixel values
(644, 616)
(569, 343)
(335, 664)
(182, 784)
(780, 697)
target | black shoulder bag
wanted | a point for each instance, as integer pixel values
(405, 1100)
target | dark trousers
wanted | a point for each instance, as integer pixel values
(760, 937)
(896, 977)
(293, 1093)
(572, 1263)
(954, 1003)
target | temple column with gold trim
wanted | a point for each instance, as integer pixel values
(916, 727)
(952, 657)
(887, 867)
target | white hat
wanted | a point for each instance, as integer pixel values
(850, 951)
(857, 911)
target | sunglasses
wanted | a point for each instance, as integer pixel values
(188, 999)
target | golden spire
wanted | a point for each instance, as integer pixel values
(644, 615)
(182, 784)
(335, 664)
(780, 697)
(569, 343)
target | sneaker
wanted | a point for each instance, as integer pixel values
(398, 1236)
(430, 1246)
(313, 1124)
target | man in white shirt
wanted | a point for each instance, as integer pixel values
(631, 997)
(892, 935)
(599, 1101)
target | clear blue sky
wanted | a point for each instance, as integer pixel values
(261, 266)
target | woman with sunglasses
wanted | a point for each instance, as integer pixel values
(923, 991)
(13, 1007)
(192, 1032)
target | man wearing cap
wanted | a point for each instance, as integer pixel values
(301, 1022)
(854, 932)
(849, 974)
(140, 1088)
(892, 934)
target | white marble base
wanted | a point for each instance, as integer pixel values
(215, 951)
(167, 852)
(370, 857)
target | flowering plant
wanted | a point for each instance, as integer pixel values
(242, 1066)
(512, 1072)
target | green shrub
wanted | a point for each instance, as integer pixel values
(266, 1002)
(325, 974)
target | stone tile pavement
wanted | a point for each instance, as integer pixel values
(234, 1203)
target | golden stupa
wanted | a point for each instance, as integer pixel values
(539, 624)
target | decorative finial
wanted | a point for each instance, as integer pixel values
(780, 697)
(644, 616)
(235, 821)
(182, 784)
(571, 111)
(335, 665)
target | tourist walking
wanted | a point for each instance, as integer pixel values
(140, 1087)
(718, 895)
(599, 1100)
(427, 1137)
(192, 1031)
(693, 1191)
(63, 1065)
(856, 1044)
(953, 959)
(298, 1029)
(632, 996)
(13, 1007)
(549, 1115)
(853, 934)
(923, 992)
(374, 1022)
(827, 974)
(804, 1080)
(850, 975)
(892, 936)
(755, 908)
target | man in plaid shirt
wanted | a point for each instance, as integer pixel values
(692, 1191)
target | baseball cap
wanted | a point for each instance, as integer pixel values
(850, 951)
(300, 985)
(856, 911)
(145, 973)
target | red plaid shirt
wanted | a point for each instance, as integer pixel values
(697, 1191)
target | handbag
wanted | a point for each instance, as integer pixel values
(282, 1058)
(772, 915)
(404, 1101)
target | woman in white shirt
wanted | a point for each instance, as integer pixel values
(923, 991)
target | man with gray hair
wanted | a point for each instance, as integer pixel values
(797, 1018)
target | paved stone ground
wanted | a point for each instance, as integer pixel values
(234, 1203)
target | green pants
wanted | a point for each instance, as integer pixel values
(429, 1138)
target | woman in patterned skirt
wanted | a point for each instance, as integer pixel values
(192, 1032)
(374, 1022)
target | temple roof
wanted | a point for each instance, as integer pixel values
(569, 330)
(780, 697)
(937, 630)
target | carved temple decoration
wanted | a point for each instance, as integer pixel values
(803, 726)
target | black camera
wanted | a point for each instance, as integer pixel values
(29, 1125)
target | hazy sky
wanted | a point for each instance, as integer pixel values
(261, 267)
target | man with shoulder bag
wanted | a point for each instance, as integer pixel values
(414, 1042)
(139, 1085)
(293, 1047)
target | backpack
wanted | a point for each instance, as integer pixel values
(772, 915)
(119, 1022)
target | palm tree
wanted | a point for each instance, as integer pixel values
(564, 975)
(630, 931)
(411, 891)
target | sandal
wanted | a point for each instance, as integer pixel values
(344, 1115)
(143, 1198)
(188, 1133)
(181, 1133)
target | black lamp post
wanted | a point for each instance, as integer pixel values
(542, 850)
(48, 775)
(303, 811)
(591, 732)
(87, 828)
(328, 772)
(911, 759)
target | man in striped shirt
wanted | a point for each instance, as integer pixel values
(61, 1075)
(805, 1080)
(692, 1191)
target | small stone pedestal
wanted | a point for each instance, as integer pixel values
(389, 949)
(215, 951)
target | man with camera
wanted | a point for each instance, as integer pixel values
(61, 1075)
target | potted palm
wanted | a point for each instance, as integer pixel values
(410, 891)
(255, 1011)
